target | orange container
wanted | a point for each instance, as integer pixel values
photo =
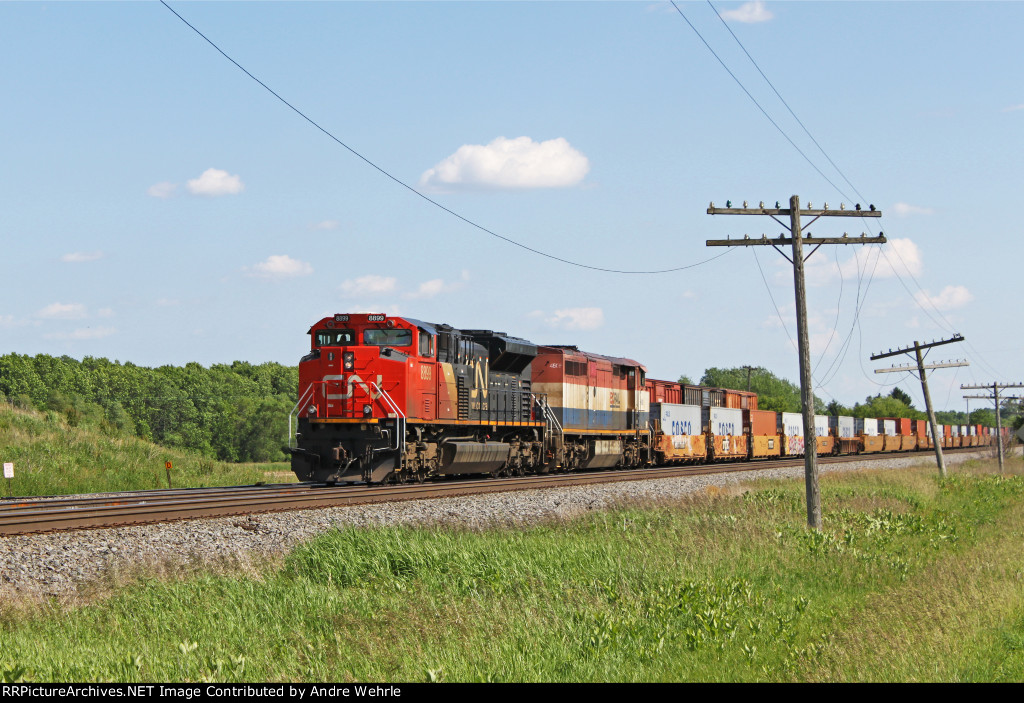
(762, 423)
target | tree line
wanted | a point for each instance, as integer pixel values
(236, 412)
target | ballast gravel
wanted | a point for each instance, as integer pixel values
(70, 563)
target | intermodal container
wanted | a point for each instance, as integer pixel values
(841, 426)
(920, 428)
(724, 421)
(716, 397)
(664, 391)
(889, 427)
(821, 426)
(869, 426)
(791, 426)
(733, 400)
(693, 395)
(748, 400)
(761, 423)
(675, 419)
(904, 426)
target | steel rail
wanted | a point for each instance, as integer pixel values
(147, 507)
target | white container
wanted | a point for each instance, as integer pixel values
(845, 427)
(821, 425)
(889, 427)
(726, 422)
(792, 424)
(954, 430)
(677, 419)
(870, 427)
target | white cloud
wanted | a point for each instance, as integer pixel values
(510, 163)
(82, 333)
(105, 312)
(951, 298)
(63, 311)
(1013, 108)
(895, 256)
(577, 319)
(214, 181)
(326, 224)
(281, 266)
(164, 189)
(429, 289)
(367, 285)
(904, 209)
(78, 257)
(748, 13)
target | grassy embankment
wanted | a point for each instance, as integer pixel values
(912, 579)
(52, 458)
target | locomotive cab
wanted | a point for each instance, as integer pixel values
(365, 376)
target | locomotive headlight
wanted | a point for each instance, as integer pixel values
(311, 410)
(367, 410)
(348, 360)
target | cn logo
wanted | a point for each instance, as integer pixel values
(353, 380)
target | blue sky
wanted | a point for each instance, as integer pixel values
(161, 207)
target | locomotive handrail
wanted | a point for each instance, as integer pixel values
(400, 429)
(301, 401)
(548, 413)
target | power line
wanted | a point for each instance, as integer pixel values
(754, 100)
(948, 326)
(408, 187)
(779, 95)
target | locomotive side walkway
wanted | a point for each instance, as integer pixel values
(64, 563)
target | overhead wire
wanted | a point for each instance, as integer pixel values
(754, 100)
(419, 193)
(783, 100)
(835, 323)
(778, 128)
(916, 299)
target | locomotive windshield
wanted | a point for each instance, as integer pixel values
(387, 337)
(335, 338)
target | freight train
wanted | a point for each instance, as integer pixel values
(393, 399)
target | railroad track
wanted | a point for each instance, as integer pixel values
(21, 516)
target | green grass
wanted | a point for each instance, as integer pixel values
(52, 458)
(912, 579)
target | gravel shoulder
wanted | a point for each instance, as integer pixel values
(80, 564)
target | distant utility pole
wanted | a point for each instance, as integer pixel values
(916, 349)
(995, 397)
(748, 369)
(797, 239)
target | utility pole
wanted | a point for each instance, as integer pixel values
(995, 397)
(797, 240)
(916, 349)
(748, 369)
